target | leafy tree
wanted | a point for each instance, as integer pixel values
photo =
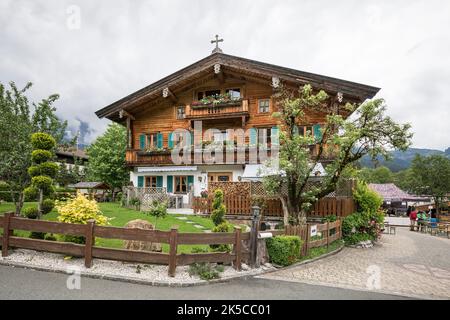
(368, 131)
(107, 158)
(431, 176)
(17, 124)
(378, 175)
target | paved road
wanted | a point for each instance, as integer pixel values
(408, 263)
(19, 283)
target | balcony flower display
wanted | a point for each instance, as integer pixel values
(216, 100)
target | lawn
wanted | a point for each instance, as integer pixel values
(120, 216)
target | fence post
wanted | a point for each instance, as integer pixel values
(173, 243)
(328, 234)
(90, 240)
(237, 248)
(6, 233)
(254, 235)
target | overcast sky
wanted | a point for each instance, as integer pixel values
(95, 52)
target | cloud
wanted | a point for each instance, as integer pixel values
(121, 46)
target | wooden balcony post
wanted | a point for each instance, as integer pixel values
(6, 233)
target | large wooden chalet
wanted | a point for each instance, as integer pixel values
(243, 91)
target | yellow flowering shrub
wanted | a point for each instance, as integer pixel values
(80, 210)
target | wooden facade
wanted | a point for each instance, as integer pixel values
(156, 109)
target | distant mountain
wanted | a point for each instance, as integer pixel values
(402, 159)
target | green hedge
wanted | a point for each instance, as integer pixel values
(284, 250)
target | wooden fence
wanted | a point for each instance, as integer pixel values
(241, 205)
(330, 232)
(90, 231)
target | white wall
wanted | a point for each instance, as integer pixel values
(237, 171)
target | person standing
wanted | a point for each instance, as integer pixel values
(412, 218)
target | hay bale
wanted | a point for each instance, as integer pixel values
(141, 245)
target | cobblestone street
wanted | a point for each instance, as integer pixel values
(409, 263)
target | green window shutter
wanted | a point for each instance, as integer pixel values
(169, 183)
(159, 181)
(159, 139)
(317, 132)
(253, 137)
(170, 143)
(140, 181)
(275, 139)
(190, 180)
(142, 141)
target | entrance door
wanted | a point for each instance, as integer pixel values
(220, 176)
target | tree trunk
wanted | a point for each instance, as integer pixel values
(19, 204)
(41, 199)
(285, 211)
(113, 194)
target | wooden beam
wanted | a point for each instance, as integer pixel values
(123, 113)
(168, 93)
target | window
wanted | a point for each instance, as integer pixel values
(181, 111)
(152, 140)
(180, 184)
(234, 93)
(150, 182)
(303, 130)
(208, 93)
(264, 136)
(263, 105)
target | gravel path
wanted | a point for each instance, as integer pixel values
(155, 274)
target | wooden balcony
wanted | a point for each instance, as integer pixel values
(225, 110)
(136, 157)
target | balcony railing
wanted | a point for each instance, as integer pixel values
(227, 109)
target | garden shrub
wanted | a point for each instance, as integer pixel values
(37, 235)
(47, 206)
(50, 237)
(223, 227)
(205, 270)
(79, 210)
(30, 193)
(330, 218)
(284, 250)
(41, 140)
(218, 208)
(366, 223)
(199, 250)
(39, 156)
(30, 212)
(157, 210)
(48, 169)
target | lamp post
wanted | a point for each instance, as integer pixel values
(256, 211)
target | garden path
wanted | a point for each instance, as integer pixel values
(407, 263)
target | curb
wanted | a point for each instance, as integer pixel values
(131, 279)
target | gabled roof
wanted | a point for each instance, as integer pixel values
(89, 185)
(81, 154)
(390, 192)
(250, 67)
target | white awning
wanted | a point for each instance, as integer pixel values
(166, 169)
(257, 171)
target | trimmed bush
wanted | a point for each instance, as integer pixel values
(47, 206)
(40, 156)
(218, 208)
(34, 171)
(30, 194)
(223, 227)
(42, 182)
(41, 140)
(80, 210)
(30, 212)
(284, 250)
(48, 169)
(50, 237)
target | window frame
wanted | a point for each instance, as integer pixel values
(151, 140)
(268, 105)
(151, 179)
(177, 114)
(175, 184)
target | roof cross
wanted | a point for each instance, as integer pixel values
(217, 49)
